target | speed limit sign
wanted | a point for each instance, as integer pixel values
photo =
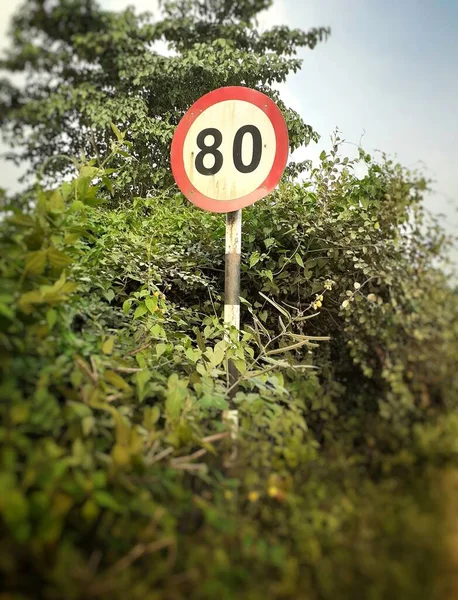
(230, 149)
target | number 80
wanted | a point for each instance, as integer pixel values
(236, 150)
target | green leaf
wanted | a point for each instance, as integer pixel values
(6, 311)
(160, 349)
(14, 507)
(35, 262)
(106, 500)
(58, 260)
(51, 317)
(22, 220)
(177, 392)
(216, 355)
(299, 260)
(87, 425)
(282, 310)
(126, 306)
(240, 365)
(108, 345)
(151, 303)
(109, 295)
(254, 259)
(108, 184)
(213, 401)
(193, 355)
(116, 381)
(200, 340)
(140, 311)
(89, 172)
(116, 131)
(220, 351)
(77, 205)
(151, 416)
(268, 273)
(141, 379)
(157, 331)
(56, 203)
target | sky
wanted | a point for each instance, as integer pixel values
(387, 76)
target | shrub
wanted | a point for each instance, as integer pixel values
(117, 474)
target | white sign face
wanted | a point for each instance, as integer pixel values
(229, 150)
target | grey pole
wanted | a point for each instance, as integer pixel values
(232, 299)
(232, 280)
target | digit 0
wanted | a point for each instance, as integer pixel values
(237, 149)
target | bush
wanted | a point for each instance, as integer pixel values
(118, 477)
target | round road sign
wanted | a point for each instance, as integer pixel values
(230, 149)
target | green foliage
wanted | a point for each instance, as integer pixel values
(116, 474)
(363, 254)
(86, 67)
(118, 477)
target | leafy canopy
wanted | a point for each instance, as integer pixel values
(86, 66)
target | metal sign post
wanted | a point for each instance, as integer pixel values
(232, 281)
(232, 307)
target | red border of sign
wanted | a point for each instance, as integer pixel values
(281, 156)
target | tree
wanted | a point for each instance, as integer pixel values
(86, 67)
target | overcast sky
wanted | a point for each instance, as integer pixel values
(389, 73)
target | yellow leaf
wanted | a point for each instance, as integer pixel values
(35, 262)
(27, 300)
(90, 510)
(89, 171)
(116, 381)
(120, 455)
(58, 259)
(108, 345)
(61, 504)
(122, 428)
(22, 220)
(116, 131)
(19, 414)
(240, 365)
(136, 442)
(56, 202)
(68, 287)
